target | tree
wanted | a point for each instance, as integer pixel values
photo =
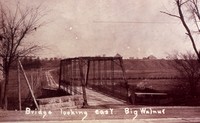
(188, 67)
(37, 63)
(188, 12)
(15, 25)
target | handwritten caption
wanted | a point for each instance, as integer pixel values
(134, 113)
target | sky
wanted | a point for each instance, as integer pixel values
(132, 28)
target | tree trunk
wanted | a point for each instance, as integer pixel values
(4, 91)
(1, 94)
(193, 88)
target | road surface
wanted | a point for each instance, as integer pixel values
(50, 80)
(96, 99)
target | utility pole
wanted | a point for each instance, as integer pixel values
(19, 86)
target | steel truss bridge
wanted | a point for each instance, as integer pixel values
(102, 74)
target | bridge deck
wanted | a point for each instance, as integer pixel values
(94, 98)
(97, 99)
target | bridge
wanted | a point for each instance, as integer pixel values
(94, 78)
(102, 74)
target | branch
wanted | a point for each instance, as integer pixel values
(184, 2)
(170, 14)
(15, 27)
(187, 29)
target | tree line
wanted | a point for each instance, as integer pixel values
(37, 63)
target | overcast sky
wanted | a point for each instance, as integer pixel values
(132, 28)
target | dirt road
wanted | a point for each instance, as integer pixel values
(96, 99)
(50, 80)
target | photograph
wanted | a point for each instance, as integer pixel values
(100, 61)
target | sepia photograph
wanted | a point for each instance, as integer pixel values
(100, 61)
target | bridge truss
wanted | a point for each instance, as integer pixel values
(103, 74)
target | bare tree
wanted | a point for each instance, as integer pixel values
(188, 67)
(15, 25)
(188, 12)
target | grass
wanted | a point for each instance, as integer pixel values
(36, 80)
